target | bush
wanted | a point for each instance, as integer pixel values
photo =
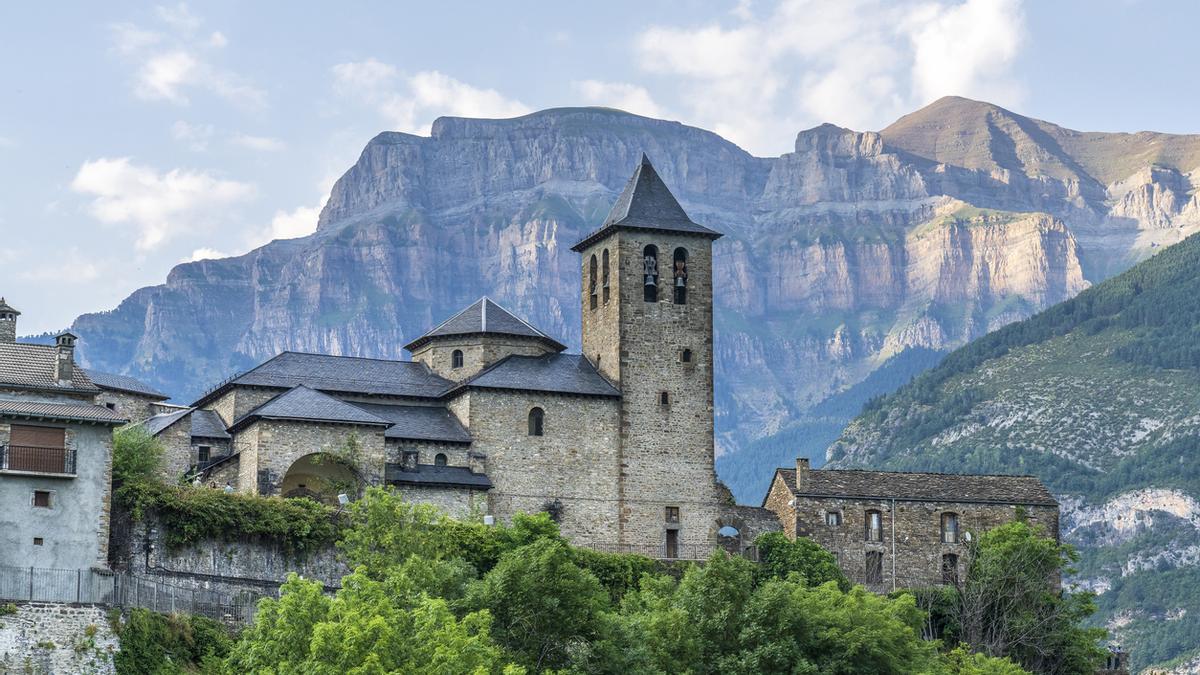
(159, 644)
(137, 456)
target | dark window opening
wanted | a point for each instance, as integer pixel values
(874, 524)
(650, 273)
(686, 356)
(950, 569)
(604, 275)
(592, 282)
(664, 398)
(672, 514)
(679, 273)
(110, 405)
(203, 453)
(672, 544)
(41, 499)
(439, 459)
(409, 459)
(537, 419)
(38, 541)
(833, 518)
(949, 528)
(456, 359)
(874, 571)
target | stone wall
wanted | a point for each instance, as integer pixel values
(460, 503)
(239, 400)
(479, 352)
(132, 407)
(177, 449)
(274, 445)
(45, 638)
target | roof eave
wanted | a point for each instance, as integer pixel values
(947, 500)
(611, 227)
(426, 339)
(63, 418)
(254, 417)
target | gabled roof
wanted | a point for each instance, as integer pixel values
(429, 475)
(555, 373)
(308, 405)
(208, 424)
(60, 412)
(123, 383)
(419, 423)
(343, 374)
(646, 203)
(485, 317)
(32, 367)
(159, 423)
(939, 487)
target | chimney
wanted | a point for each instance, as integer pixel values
(802, 469)
(64, 361)
(8, 323)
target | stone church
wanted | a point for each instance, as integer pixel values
(492, 417)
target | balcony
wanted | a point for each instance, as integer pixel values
(36, 460)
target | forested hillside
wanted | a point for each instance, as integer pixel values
(1100, 396)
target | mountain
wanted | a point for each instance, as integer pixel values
(1100, 397)
(857, 253)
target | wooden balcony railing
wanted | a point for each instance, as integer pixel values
(35, 459)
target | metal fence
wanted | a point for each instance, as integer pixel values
(101, 587)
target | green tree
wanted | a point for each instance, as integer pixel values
(780, 557)
(137, 456)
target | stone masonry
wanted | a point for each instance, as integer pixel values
(46, 639)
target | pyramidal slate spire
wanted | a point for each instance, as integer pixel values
(646, 203)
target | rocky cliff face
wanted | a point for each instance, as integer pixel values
(853, 248)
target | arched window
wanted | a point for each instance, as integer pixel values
(604, 275)
(592, 282)
(686, 356)
(439, 459)
(949, 528)
(537, 420)
(664, 398)
(679, 272)
(949, 569)
(650, 273)
(456, 359)
(874, 525)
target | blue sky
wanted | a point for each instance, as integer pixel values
(137, 136)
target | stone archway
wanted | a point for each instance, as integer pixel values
(320, 477)
(729, 533)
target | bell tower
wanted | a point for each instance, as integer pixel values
(648, 326)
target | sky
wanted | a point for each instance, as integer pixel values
(134, 137)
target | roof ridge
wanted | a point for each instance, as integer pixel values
(923, 473)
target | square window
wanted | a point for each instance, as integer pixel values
(203, 453)
(37, 541)
(41, 498)
(672, 514)
(110, 406)
(833, 518)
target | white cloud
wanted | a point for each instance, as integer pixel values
(217, 39)
(621, 95)
(178, 17)
(205, 254)
(129, 38)
(758, 78)
(411, 102)
(259, 143)
(300, 222)
(195, 136)
(164, 75)
(156, 204)
(73, 267)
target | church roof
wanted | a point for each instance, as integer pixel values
(430, 475)
(646, 203)
(484, 316)
(123, 383)
(419, 422)
(30, 366)
(308, 405)
(208, 424)
(554, 373)
(939, 487)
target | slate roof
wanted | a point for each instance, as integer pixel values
(437, 476)
(941, 487)
(32, 367)
(557, 373)
(123, 383)
(66, 412)
(304, 404)
(159, 423)
(345, 374)
(646, 203)
(208, 424)
(5, 307)
(484, 316)
(419, 423)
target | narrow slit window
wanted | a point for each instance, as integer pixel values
(686, 356)
(664, 398)
(456, 359)
(604, 275)
(680, 275)
(949, 528)
(592, 282)
(650, 273)
(537, 421)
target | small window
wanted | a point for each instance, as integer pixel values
(41, 499)
(38, 541)
(456, 359)
(833, 518)
(110, 405)
(537, 420)
(650, 273)
(672, 514)
(604, 276)
(874, 524)
(949, 528)
(203, 453)
(874, 567)
(686, 356)
(439, 459)
(950, 569)
(664, 398)
(679, 275)
(592, 282)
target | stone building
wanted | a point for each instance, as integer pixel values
(128, 397)
(493, 417)
(55, 456)
(892, 529)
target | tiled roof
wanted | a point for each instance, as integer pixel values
(484, 316)
(208, 424)
(5, 307)
(346, 374)
(558, 373)
(123, 383)
(70, 412)
(419, 423)
(437, 476)
(32, 367)
(302, 403)
(942, 487)
(646, 203)
(159, 423)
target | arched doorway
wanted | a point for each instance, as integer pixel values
(320, 477)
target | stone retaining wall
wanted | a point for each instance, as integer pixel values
(56, 639)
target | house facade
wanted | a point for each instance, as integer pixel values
(892, 530)
(55, 456)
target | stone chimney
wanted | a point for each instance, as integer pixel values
(64, 362)
(8, 323)
(802, 469)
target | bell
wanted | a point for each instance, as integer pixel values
(680, 282)
(651, 280)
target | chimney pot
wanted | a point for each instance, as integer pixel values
(802, 469)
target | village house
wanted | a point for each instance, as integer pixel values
(128, 397)
(891, 530)
(55, 456)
